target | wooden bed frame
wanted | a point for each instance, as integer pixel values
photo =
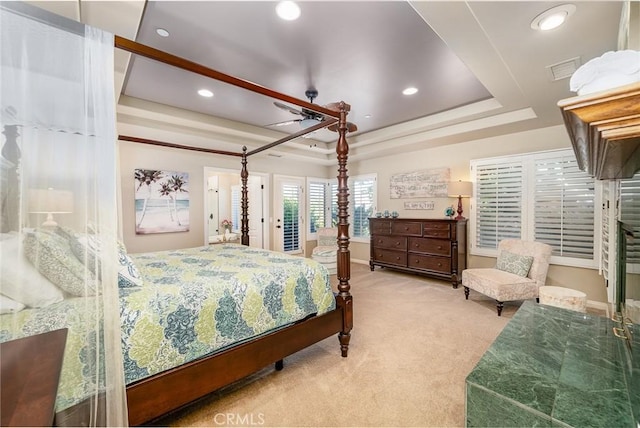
(157, 395)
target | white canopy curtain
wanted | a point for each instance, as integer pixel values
(58, 243)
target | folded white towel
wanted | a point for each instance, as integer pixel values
(608, 71)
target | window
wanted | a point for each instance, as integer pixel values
(291, 215)
(364, 190)
(323, 204)
(235, 208)
(320, 203)
(538, 196)
(630, 214)
(564, 203)
(499, 203)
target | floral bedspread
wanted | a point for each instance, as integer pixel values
(198, 300)
(192, 303)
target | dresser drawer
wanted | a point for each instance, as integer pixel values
(380, 227)
(438, 247)
(432, 263)
(436, 230)
(391, 257)
(390, 242)
(406, 228)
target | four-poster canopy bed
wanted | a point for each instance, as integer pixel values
(152, 397)
(283, 327)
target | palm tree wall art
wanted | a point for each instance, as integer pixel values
(161, 201)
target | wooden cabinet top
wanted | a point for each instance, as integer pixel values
(423, 220)
(604, 129)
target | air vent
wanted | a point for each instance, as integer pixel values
(563, 69)
(274, 155)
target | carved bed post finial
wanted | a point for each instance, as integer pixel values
(344, 256)
(10, 197)
(244, 204)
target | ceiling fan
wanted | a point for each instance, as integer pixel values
(309, 117)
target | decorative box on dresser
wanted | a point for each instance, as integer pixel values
(431, 247)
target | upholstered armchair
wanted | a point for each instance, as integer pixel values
(326, 252)
(520, 270)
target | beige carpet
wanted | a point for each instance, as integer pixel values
(414, 342)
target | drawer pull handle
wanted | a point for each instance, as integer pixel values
(398, 243)
(439, 247)
(406, 228)
(439, 264)
(397, 258)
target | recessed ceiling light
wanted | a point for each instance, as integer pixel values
(162, 32)
(205, 93)
(410, 91)
(553, 18)
(288, 10)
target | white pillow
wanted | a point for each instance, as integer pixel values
(21, 281)
(9, 306)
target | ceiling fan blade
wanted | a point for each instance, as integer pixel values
(286, 107)
(287, 122)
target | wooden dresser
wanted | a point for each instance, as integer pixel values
(431, 247)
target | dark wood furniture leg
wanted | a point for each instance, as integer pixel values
(279, 365)
(500, 305)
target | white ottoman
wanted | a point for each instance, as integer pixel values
(562, 297)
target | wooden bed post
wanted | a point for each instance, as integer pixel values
(344, 298)
(10, 185)
(244, 222)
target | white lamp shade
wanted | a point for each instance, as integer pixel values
(460, 188)
(50, 201)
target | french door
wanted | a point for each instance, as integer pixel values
(289, 214)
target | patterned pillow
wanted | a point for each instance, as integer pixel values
(128, 275)
(329, 240)
(514, 263)
(87, 249)
(51, 254)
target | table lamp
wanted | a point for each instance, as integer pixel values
(50, 201)
(459, 189)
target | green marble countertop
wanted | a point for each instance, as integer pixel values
(554, 367)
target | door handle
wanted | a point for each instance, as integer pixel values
(210, 216)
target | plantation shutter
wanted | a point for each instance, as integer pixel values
(363, 203)
(291, 220)
(564, 206)
(316, 206)
(607, 232)
(630, 213)
(235, 208)
(498, 200)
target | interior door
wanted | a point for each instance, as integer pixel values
(212, 199)
(289, 213)
(255, 188)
